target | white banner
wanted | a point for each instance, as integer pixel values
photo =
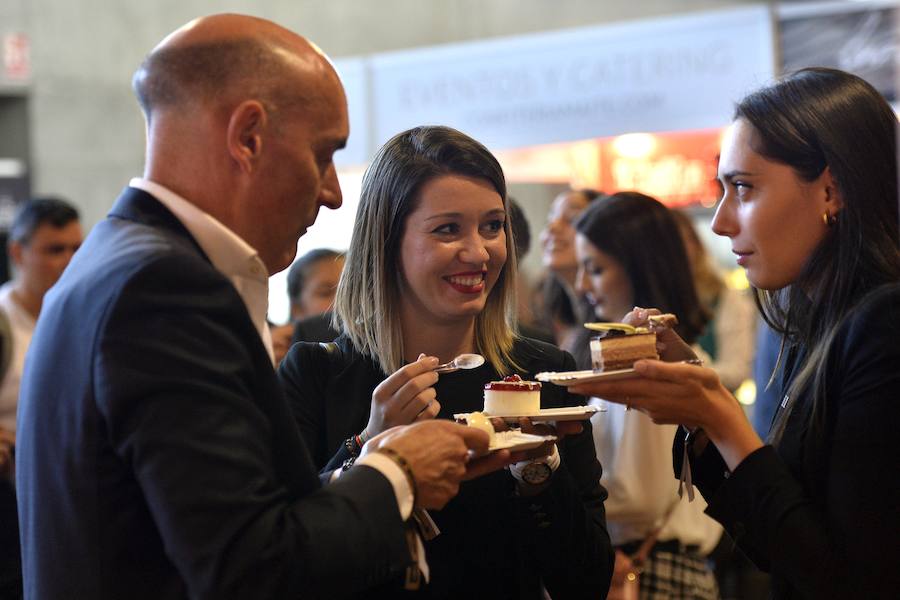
(667, 74)
(354, 75)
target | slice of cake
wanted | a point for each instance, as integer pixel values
(619, 350)
(512, 397)
(618, 345)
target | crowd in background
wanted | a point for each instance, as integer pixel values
(153, 429)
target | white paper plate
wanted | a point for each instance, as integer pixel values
(576, 377)
(516, 441)
(547, 415)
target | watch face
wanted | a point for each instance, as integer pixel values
(536, 473)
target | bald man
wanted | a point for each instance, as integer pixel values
(157, 457)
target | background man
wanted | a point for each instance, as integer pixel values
(157, 456)
(44, 235)
(311, 286)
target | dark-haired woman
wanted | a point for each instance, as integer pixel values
(809, 169)
(630, 252)
(562, 309)
(430, 274)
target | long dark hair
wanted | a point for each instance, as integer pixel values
(811, 120)
(642, 235)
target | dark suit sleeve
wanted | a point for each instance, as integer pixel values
(178, 379)
(841, 540)
(708, 470)
(567, 520)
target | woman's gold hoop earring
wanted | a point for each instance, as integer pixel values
(828, 220)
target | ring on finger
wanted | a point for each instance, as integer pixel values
(426, 407)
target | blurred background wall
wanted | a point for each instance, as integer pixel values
(84, 130)
(69, 124)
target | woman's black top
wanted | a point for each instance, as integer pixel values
(493, 543)
(821, 512)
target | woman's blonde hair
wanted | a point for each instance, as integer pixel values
(368, 296)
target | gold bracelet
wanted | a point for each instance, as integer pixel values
(404, 466)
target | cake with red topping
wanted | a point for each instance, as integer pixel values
(512, 397)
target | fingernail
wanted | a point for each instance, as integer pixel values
(433, 360)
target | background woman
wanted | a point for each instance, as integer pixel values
(630, 253)
(562, 308)
(430, 274)
(809, 169)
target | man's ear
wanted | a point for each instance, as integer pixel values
(15, 253)
(245, 133)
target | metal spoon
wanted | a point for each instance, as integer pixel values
(463, 361)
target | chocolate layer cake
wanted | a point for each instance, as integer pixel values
(619, 350)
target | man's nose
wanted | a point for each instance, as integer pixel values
(331, 196)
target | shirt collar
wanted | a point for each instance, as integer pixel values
(229, 254)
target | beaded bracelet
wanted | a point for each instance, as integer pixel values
(353, 446)
(404, 466)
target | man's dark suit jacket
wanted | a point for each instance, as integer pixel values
(157, 456)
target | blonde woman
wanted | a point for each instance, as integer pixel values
(430, 274)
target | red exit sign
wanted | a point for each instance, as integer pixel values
(16, 56)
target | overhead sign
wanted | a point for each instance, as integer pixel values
(659, 75)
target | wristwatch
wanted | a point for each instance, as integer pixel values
(536, 473)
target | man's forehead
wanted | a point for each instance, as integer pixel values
(327, 113)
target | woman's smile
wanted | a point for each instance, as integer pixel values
(467, 283)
